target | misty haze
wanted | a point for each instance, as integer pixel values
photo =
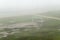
(29, 19)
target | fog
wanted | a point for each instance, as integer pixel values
(24, 7)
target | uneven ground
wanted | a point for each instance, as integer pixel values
(31, 27)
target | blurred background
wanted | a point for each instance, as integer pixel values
(29, 19)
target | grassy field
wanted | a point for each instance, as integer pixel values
(50, 29)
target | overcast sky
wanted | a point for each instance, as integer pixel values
(16, 7)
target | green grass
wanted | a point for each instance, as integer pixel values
(18, 19)
(48, 30)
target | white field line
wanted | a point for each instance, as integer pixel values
(56, 18)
